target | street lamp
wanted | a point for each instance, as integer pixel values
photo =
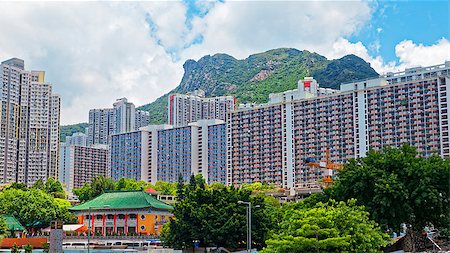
(89, 225)
(249, 222)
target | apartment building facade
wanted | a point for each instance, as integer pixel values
(187, 108)
(199, 148)
(271, 142)
(80, 165)
(29, 125)
(126, 155)
(122, 118)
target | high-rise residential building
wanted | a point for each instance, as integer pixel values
(122, 118)
(78, 139)
(126, 155)
(29, 126)
(80, 165)
(187, 108)
(199, 148)
(102, 123)
(142, 119)
(125, 113)
(271, 142)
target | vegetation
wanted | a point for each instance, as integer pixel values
(214, 217)
(15, 248)
(51, 186)
(398, 186)
(327, 227)
(34, 207)
(254, 78)
(101, 184)
(68, 130)
(3, 227)
(28, 248)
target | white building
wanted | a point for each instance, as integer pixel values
(187, 108)
(80, 165)
(29, 132)
(199, 148)
(122, 118)
(78, 139)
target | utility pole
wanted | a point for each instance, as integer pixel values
(249, 223)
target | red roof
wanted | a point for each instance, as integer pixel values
(150, 190)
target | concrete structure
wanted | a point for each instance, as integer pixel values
(270, 143)
(80, 165)
(199, 148)
(122, 118)
(142, 119)
(29, 125)
(102, 124)
(124, 213)
(187, 108)
(77, 139)
(126, 155)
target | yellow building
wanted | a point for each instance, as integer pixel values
(123, 213)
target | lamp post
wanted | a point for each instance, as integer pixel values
(89, 225)
(249, 222)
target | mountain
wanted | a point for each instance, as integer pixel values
(254, 78)
(68, 130)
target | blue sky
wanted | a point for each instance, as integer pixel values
(137, 49)
(424, 22)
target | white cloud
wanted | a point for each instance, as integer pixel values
(408, 53)
(411, 54)
(92, 52)
(242, 28)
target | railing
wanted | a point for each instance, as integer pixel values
(113, 237)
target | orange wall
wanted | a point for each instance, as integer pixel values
(148, 222)
(7, 243)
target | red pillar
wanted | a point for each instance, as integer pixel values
(126, 225)
(92, 226)
(137, 225)
(104, 224)
(115, 225)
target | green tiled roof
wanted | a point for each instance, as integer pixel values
(12, 223)
(122, 200)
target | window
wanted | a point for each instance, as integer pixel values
(142, 217)
(142, 227)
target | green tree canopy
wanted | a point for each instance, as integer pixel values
(33, 208)
(54, 188)
(396, 185)
(214, 217)
(329, 227)
(3, 227)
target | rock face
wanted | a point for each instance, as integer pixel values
(254, 78)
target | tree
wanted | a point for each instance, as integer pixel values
(166, 188)
(101, 184)
(127, 184)
(180, 187)
(98, 186)
(39, 184)
(328, 227)
(397, 186)
(214, 218)
(54, 188)
(3, 227)
(84, 193)
(33, 208)
(15, 248)
(28, 248)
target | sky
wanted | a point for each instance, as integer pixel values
(96, 52)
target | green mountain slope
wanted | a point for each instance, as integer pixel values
(68, 130)
(254, 78)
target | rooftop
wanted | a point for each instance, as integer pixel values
(12, 223)
(122, 200)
